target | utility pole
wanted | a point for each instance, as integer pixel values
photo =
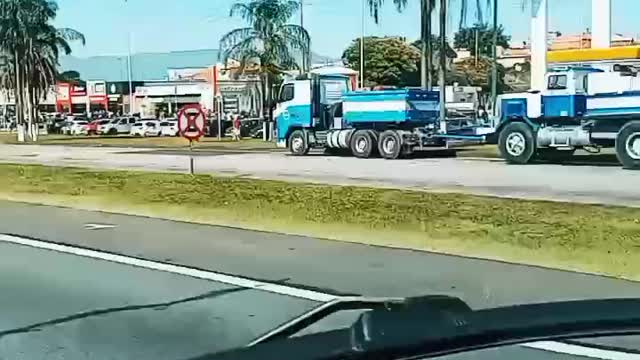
(494, 57)
(129, 75)
(443, 65)
(423, 44)
(305, 55)
(302, 13)
(364, 14)
(476, 45)
(429, 43)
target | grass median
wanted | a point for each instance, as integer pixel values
(205, 143)
(600, 239)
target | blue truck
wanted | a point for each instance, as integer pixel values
(322, 111)
(580, 108)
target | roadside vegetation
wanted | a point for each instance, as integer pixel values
(600, 239)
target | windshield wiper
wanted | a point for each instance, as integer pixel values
(436, 326)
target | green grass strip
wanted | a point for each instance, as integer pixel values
(601, 239)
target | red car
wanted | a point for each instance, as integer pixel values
(93, 127)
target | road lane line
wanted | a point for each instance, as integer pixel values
(579, 350)
(176, 269)
(550, 346)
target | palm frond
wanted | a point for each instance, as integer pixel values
(69, 34)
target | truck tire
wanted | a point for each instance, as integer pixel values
(362, 144)
(298, 143)
(517, 143)
(628, 146)
(390, 145)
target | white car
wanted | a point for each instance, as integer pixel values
(118, 126)
(100, 125)
(75, 128)
(146, 128)
(169, 128)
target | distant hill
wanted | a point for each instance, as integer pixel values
(146, 66)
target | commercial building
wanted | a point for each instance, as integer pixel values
(161, 83)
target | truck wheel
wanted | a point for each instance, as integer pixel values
(362, 144)
(628, 145)
(390, 145)
(517, 143)
(298, 143)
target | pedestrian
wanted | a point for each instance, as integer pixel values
(236, 128)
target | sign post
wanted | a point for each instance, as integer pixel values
(191, 123)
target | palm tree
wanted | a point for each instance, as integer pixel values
(269, 40)
(30, 47)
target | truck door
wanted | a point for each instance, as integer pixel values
(327, 91)
(293, 110)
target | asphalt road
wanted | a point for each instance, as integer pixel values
(167, 322)
(579, 183)
(59, 306)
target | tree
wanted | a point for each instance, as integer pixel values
(268, 40)
(29, 49)
(70, 76)
(388, 60)
(466, 72)
(433, 59)
(464, 10)
(466, 38)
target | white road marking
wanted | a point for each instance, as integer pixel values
(579, 350)
(92, 226)
(550, 346)
(176, 269)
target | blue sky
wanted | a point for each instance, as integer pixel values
(164, 25)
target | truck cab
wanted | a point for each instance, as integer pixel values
(578, 108)
(309, 103)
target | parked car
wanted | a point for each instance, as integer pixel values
(119, 126)
(71, 127)
(92, 127)
(79, 128)
(169, 128)
(105, 125)
(146, 128)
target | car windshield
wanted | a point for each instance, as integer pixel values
(367, 179)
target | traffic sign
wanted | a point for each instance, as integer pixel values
(191, 122)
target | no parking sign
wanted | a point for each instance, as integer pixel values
(191, 122)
